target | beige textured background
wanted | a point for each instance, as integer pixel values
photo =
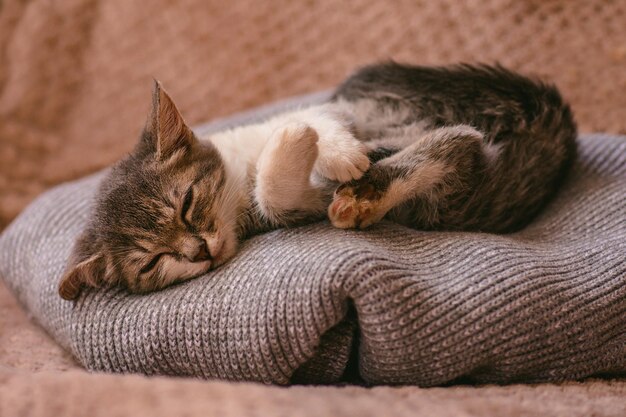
(75, 79)
(75, 75)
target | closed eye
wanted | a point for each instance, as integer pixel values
(186, 205)
(150, 265)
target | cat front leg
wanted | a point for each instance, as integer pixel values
(341, 156)
(440, 163)
(283, 190)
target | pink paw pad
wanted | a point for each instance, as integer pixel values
(352, 208)
(342, 209)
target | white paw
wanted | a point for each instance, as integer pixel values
(284, 168)
(289, 148)
(341, 156)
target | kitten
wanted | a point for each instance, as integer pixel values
(472, 148)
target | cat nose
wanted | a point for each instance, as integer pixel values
(203, 253)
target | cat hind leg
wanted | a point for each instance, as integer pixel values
(434, 166)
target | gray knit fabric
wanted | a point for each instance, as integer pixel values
(388, 305)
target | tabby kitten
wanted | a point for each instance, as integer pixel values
(472, 148)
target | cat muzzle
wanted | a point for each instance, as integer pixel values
(203, 253)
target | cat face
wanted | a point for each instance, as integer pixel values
(164, 214)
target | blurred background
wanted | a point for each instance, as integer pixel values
(76, 75)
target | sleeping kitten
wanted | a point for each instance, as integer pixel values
(471, 148)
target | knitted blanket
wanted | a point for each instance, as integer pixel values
(389, 305)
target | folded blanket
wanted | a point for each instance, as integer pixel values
(387, 305)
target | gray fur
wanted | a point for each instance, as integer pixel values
(498, 184)
(503, 142)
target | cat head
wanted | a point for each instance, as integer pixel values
(163, 214)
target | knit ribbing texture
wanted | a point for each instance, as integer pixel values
(389, 305)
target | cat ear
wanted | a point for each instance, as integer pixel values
(82, 271)
(167, 126)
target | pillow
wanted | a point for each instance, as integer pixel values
(389, 305)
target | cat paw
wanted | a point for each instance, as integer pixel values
(356, 206)
(290, 152)
(283, 169)
(341, 157)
